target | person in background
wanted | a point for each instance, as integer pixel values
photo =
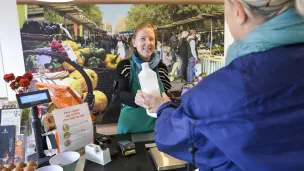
(125, 41)
(105, 43)
(121, 48)
(192, 55)
(173, 43)
(248, 115)
(182, 52)
(114, 43)
(134, 118)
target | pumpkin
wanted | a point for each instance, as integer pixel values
(80, 61)
(74, 84)
(101, 100)
(86, 52)
(111, 61)
(72, 44)
(92, 75)
(80, 58)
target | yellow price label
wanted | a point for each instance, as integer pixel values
(130, 152)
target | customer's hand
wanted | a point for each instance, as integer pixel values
(196, 60)
(152, 103)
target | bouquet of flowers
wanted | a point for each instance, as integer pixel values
(19, 84)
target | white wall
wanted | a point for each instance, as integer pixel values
(3, 91)
(10, 40)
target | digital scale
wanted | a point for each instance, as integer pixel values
(34, 98)
(163, 161)
(31, 100)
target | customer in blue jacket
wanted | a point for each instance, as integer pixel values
(248, 115)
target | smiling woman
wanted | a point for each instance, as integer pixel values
(132, 117)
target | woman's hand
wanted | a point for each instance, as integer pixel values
(150, 102)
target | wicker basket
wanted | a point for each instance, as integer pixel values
(106, 79)
(90, 97)
(34, 41)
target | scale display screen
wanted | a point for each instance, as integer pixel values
(34, 98)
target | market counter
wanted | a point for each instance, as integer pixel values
(141, 161)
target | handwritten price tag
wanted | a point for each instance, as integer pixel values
(70, 52)
(74, 126)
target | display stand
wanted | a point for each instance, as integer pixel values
(40, 156)
(31, 100)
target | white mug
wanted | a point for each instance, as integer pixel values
(67, 160)
(50, 168)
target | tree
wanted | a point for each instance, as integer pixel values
(51, 15)
(166, 14)
(93, 13)
(108, 26)
(120, 24)
(146, 13)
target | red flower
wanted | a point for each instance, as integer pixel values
(8, 77)
(14, 85)
(20, 91)
(24, 82)
(28, 75)
(18, 78)
(56, 44)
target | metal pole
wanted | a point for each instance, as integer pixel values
(65, 24)
(36, 124)
(211, 37)
(162, 46)
(163, 34)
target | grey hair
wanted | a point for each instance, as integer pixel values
(271, 8)
(185, 34)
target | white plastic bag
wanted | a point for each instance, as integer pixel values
(198, 69)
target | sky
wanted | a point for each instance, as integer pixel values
(112, 12)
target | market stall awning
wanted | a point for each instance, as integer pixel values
(63, 8)
(70, 12)
(127, 32)
(214, 16)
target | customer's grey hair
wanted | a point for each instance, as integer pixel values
(271, 8)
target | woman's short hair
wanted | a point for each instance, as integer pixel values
(185, 34)
(271, 8)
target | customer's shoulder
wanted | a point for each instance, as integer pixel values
(124, 62)
(123, 65)
(162, 65)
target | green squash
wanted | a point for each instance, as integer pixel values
(93, 51)
(101, 54)
(94, 62)
(85, 54)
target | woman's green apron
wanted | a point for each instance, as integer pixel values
(131, 119)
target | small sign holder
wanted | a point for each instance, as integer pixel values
(31, 100)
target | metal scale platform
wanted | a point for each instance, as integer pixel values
(163, 161)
